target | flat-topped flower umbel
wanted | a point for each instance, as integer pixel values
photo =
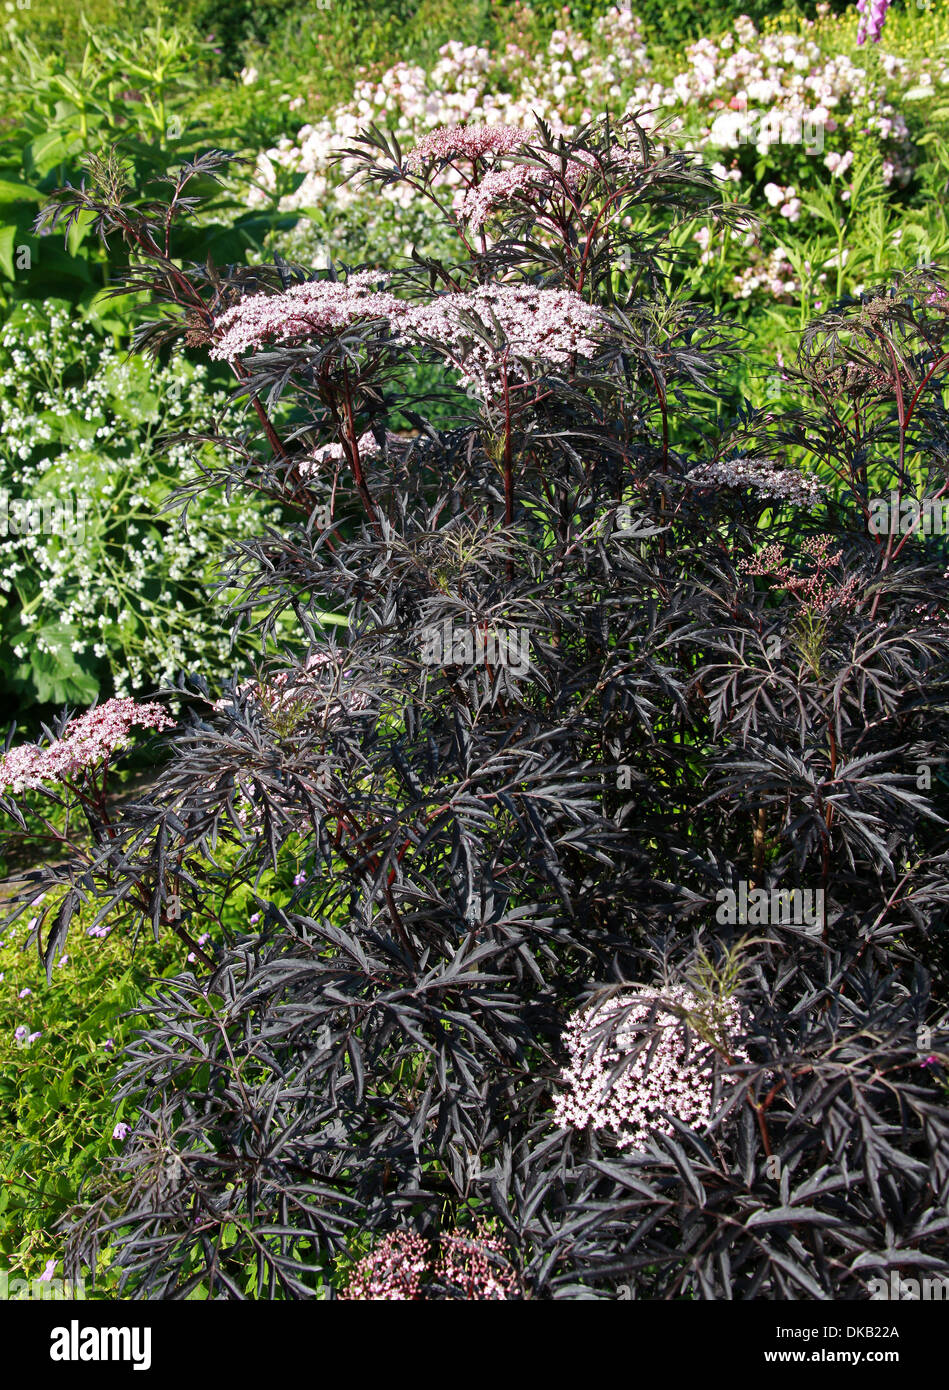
(305, 310)
(466, 142)
(547, 326)
(674, 1078)
(86, 742)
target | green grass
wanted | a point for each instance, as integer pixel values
(57, 1112)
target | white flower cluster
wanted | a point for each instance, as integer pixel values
(570, 80)
(782, 89)
(765, 477)
(673, 1078)
(80, 423)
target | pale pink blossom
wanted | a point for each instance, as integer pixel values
(367, 444)
(305, 310)
(86, 742)
(764, 477)
(536, 324)
(501, 185)
(671, 1074)
(465, 142)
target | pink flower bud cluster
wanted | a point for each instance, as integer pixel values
(304, 310)
(537, 324)
(676, 1079)
(475, 1267)
(87, 741)
(816, 592)
(783, 484)
(393, 1271)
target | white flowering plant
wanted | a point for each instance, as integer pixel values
(104, 589)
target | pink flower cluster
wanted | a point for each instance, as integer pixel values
(87, 741)
(313, 307)
(816, 592)
(545, 325)
(537, 324)
(783, 484)
(472, 142)
(773, 273)
(393, 1271)
(367, 444)
(319, 679)
(497, 186)
(470, 1267)
(476, 1267)
(785, 199)
(676, 1080)
(872, 18)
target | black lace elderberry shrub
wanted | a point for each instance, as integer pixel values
(825, 1169)
(621, 665)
